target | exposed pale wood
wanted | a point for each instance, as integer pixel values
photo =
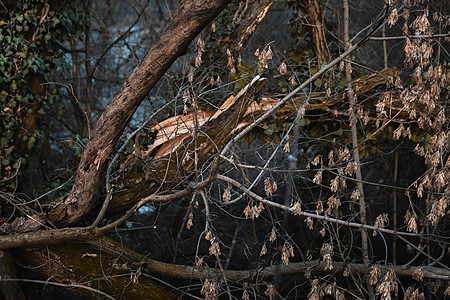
(136, 187)
(175, 159)
(190, 19)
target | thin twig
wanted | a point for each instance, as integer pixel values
(315, 216)
(219, 262)
(354, 132)
(423, 252)
(391, 38)
(65, 285)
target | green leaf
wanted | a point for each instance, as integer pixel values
(234, 76)
(5, 161)
(318, 83)
(268, 131)
(241, 67)
(304, 122)
(55, 21)
(9, 150)
(31, 142)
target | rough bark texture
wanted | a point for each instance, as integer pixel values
(253, 17)
(178, 163)
(315, 17)
(81, 265)
(10, 290)
(136, 187)
(190, 19)
(168, 168)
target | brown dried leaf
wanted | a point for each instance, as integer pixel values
(273, 235)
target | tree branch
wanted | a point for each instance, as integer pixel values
(204, 272)
(190, 19)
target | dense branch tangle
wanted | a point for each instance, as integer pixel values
(186, 142)
(90, 235)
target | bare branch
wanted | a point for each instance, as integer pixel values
(172, 44)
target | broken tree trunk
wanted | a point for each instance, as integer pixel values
(121, 272)
(217, 128)
(190, 19)
(170, 158)
(78, 265)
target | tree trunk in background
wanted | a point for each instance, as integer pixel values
(315, 17)
(253, 17)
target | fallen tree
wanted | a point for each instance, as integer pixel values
(183, 144)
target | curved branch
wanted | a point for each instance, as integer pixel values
(204, 272)
(307, 214)
(65, 285)
(190, 19)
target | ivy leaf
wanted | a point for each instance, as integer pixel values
(5, 161)
(304, 122)
(55, 21)
(31, 142)
(318, 83)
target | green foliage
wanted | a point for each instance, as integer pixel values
(30, 39)
(243, 75)
(77, 143)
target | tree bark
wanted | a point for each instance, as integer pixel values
(190, 19)
(315, 17)
(171, 164)
(10, 290)
(136, 187)
(111, 261)
(254, 15)
(80, 265)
